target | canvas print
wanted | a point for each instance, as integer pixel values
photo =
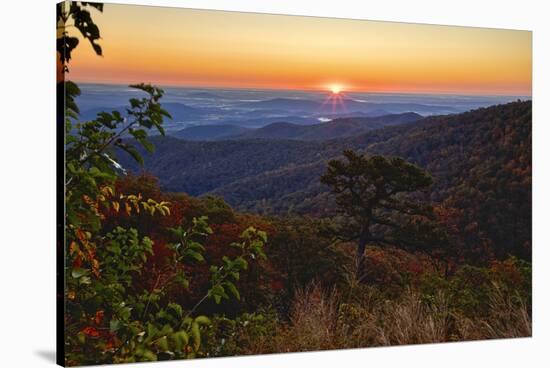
(239, 183)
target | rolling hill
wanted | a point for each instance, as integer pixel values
(480, 160)
(337, 128)
(209, 132)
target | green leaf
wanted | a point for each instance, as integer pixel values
(114, 325)
(196, 333)
(195, 255)
(132, 151)
(176, 308)
(85, 280)
(163, 343)
(79, 272)
(166, 329)
(181, 339)
(134, 102)
(203, 320)
(235, 275)
(232, 289)
(149, 355)
(151, 331)
(262, 235)
(196, 246)
(149, 147)
(241, 263)
(81, 337)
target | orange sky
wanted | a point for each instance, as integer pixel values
(171, 46)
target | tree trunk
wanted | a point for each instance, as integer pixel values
(361, 246)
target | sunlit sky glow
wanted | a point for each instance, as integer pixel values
(171, 46)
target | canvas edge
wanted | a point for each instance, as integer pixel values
(60, 212)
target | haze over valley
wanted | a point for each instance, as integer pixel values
(214, 114)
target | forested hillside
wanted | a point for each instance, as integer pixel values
(334, 129)
(200, 167)
(209, 132)
(480, 161)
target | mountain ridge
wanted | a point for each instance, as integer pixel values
(480, 161)
(336, 128)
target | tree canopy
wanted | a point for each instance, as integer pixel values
(371, 193)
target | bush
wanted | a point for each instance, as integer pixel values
(249, 333)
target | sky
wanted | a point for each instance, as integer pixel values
(205, 48)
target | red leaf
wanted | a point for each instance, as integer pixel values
(90, 331)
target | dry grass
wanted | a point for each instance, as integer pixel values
(508, 319)
(410, 321)
(321, 320)
(313, 321)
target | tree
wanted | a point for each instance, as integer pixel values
(110, 317)
(371, 193)
(75, 14)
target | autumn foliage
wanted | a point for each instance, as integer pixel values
(155, 275)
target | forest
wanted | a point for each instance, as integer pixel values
(406, 234)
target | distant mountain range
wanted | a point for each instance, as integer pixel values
(259, 108)
(178, 111)
(210, 132)
(480, 161)
(257, 119)
(337, 128)
(191, 107)
(344, 105)
(204, 95)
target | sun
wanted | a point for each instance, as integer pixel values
(335, 89)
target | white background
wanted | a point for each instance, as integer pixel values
(27, 180)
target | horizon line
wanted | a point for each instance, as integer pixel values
(318, 90)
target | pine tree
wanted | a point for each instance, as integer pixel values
(372, 194)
